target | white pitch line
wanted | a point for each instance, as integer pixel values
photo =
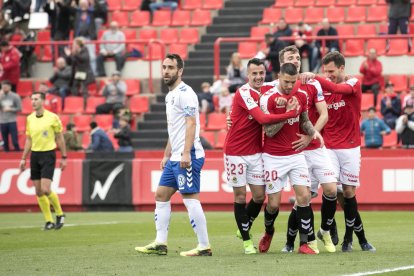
(66, 225)
(382, 271)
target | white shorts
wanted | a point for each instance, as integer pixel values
(242, 170)
(320, 168)
(346, 164)
(278, 168)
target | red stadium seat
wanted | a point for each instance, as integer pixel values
(324, 3)
(210, 136)
(189, 36)
(294, 15)
(345, 2)
(400, 82)
(130, 34)
(335, 15)
(43, 52)
(367, 2)
(247, 49)
(161, 18)
(114, 5)
(221, 137)
(139, 104)
(284, 3)
(191, 4)
(140, 19)
(169, 36)
(377, 44)
(104, 121)
(271, 15)
(65, 119)
(390, 140)
(131, 5)
(22, 140)
(367, 101)
(259, 31)
(411, 79)
(24, 88)
(203, 120)
(212, 4)
(383, 28)
(26, 106)
(154, 52)
(37, 84)
(120, 17)
(216, 121)
(354, 48)
(356, 14)
(398, 47)
(73, 105)
(201, 18)
(92, 103)
(181, 18)
(412, 13)
(345, 29)
(377, 14)
(180, 49)
(147, 34)
(366, 29)
(314, 15)
(133, 87)
(82, 122)
(304, 3)
(21, 123)
(53, 103)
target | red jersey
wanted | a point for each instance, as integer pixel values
(342, 131)
(281, 143)
(245, 135)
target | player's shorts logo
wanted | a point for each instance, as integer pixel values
(234, 179)
(181, 180)
(270, 186)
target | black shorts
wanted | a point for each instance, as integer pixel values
(42, 164)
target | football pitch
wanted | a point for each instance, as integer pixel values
(102, 243)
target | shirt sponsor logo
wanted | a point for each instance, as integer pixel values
(336, 106)
(291, 121)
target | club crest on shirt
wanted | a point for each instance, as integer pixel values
(250, 117)
(45, 133)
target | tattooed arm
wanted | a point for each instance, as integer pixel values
(271, 130)
(311, 133)
(306, 125)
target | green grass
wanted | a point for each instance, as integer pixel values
(108, 249)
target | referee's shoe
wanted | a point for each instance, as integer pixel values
(49, 226)
(60, 220)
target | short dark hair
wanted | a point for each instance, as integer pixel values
(288, 68)
(372, 108)
(93, 125)
(4, 43)
(6, 82)
(70, 126)
(291, 48)
(255, 61)
(335, 56)
(269, 35)
(180, 62)
(42, 95)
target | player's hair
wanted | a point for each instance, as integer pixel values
(289, 69)
(335, 56)
(289, 49)
(176, 57)
(42, 95)
(255, 61)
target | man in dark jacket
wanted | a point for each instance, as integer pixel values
(61, 79)
(123, 134)
(390, 105)
(399, 13)
(330, 46)
(283, 29)
(100, 141)
(405, 126)
(272, 52)
(72, 138)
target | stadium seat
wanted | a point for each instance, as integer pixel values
(86, 139)
(221, 137)
(53, 103)
(247, 49)
(24, 88)
(179, 48)
(271, 15)
(259, 31)
(383, 28)
(377, 44)
(398, 47)
(212, 4)
(377, 14)
(366, 29)
(155, 52)
(181, 18)
(201, 18)
(189, 36)
(131, 5)
(22, 140)
(114, 5)
(65, 119)
(138, 104)
(284, 3)
(38, 82)
(294, 15)
(345, 29)
(73, 105)
(161, 18)
(82, 122)
(43, 52)
(354, 47)
(356, 14)
(92, 103)
(367, 101)
(335, 15)
(147, 34)
(210, 136)
(130, 34)
(169, 36)
(133, 87)
(191, 4)
(216, 121)
(412, 13)
(367, 2)
(120, 17)
(400, 82)
(202, 121)
(140, 19)
(21, 123)
(104, 121)
(345, 2)
(390, 140)
(324, 3)
(314, 15)
(411, 79)
(304, 3)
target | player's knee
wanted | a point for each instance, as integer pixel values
(240, 198)
(329, 190)
(259, 198)
(39, 192)
(272, 207)
(349, 191)
(303, 199)
(161, 197)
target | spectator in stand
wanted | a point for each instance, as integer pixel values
(101, 14)
(374, 129)
(100, 141)
(399, 13)
(71, 137)
(225, 100)
(304, 44)
(108, 50)
(123, 134)
(409, 99)
(10, 105)
(114, 92)
(283, 29)
(5, 27)
(371, 69)
(330, 46)
(205, 99)
(20, 13)
(158, 4)
(405, 127)
(236, 72)
(61, 80)
(9, 64)
(274, 46)
(390, 105)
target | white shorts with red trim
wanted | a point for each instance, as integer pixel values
(242, 170)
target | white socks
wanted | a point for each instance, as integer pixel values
(162, 220)
(197, 220)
